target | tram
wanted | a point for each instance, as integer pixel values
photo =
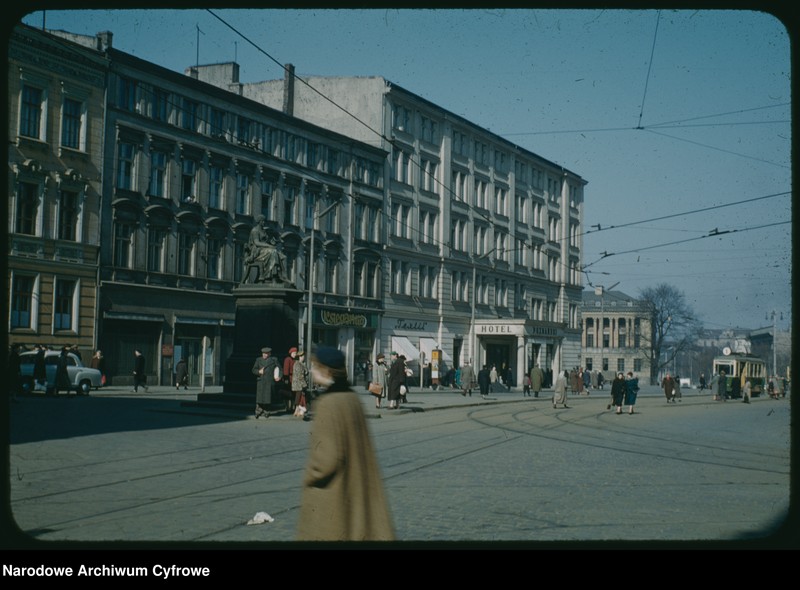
(741, 368)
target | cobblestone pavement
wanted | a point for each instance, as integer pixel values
(123, 467)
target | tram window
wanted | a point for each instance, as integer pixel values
(728, 368)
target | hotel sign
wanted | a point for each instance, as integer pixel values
(515, 330)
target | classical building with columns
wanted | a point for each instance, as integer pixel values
(615, 333)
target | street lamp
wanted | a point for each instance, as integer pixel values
(774, 315)
(600, 291)
(311, 274)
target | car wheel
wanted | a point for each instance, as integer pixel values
(84, 388)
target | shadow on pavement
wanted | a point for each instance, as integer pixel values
(38, 418)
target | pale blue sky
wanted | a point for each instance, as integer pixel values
(572, 86)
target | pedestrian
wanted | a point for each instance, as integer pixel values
(537, 380)
(182, 374)
(397, 379)
(573, 381)
(560, 389)
(40, 369)
(677, 390)
(618, 389)
(379, 378)
(74, 350)
(722, 386)
(300, 384)
(139, 376)
(600, 379)
(747, 392)
(485, 382)
(62, 373)
(467, 379)
(288, 372)
(594, 379)
(99, 362)
(343, 497)
(14, 372)
(668, 385)
(587, 380)
(736, 388)
(702, 381)
(526, 385)
(631, 391)
(407, 373)
(268, 371)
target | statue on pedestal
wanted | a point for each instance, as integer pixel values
(262, 253)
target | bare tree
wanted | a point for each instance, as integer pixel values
(673, 326)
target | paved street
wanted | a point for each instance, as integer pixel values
(118, 466)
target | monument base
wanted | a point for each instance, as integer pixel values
(266, 315)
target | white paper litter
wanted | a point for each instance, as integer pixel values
(260, 518)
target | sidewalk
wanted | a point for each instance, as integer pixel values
(419, 399)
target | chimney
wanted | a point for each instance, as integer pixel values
(288, 89)
(104, 40)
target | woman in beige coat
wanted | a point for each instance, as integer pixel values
(343, 497)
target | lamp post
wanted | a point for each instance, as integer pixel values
(774, 315)
(600, 291)
(311, 274)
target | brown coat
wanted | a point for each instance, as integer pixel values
(343, 497)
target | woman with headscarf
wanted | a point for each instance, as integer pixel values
(379, 377)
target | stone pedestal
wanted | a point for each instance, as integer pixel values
(266, 315)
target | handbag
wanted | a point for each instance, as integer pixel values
(376, 389)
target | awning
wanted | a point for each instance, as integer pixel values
(199, 321)
(134, 317)
(403, 345)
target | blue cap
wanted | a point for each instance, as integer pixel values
(330, 357)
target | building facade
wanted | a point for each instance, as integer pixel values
(56, 94)
(430, 232)
(616, 333)
(483, 245)
(184, 170)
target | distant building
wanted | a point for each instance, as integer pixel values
(615, 333)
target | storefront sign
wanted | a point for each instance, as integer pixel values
(544, 331)
(338, 318)
(409, 325)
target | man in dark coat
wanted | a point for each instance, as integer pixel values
(62, 374)
(397, 377)
(139, 377)
(268, 371)
(181, 374)
(484, 380)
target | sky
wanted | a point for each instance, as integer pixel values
(679, 120)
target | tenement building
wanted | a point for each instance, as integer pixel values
(481, 253)
(56, 93)
(615, 333)
(170, 178)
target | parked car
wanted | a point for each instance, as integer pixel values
(81, 379)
